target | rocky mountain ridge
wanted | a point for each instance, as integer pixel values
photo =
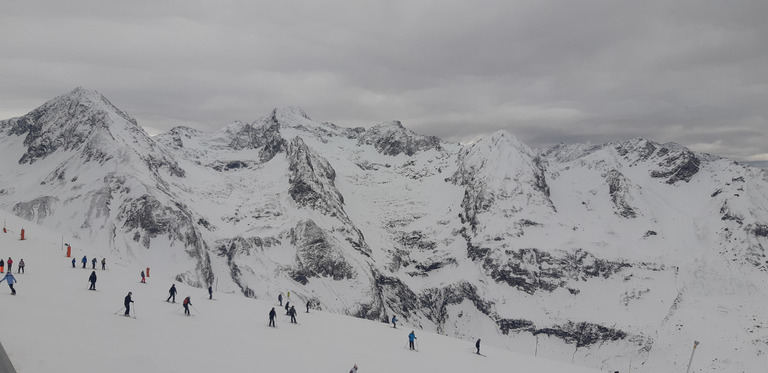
(595, 254)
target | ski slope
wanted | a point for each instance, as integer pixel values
(54, 324)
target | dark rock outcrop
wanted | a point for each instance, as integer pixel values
(531, 270)
(264, 136)
(391, 138)
(618, 189)
(317, 254)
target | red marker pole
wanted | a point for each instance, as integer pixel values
(22, 234)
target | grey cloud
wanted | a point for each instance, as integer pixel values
(547, 71)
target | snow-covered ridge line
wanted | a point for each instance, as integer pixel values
(597, 254)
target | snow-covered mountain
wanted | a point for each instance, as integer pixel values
(605, 256)
(60, 326)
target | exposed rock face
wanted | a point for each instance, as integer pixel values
(391, 138)
(265, 137)
(37, 209)
(238, 250)
(515, 178)
(317, 255)
(618, 188)
(437, 300)
(312, 186)
(531, 270)
(672, 162)
(312, 180)
(677, 166)
(582, 334)
(148, 218)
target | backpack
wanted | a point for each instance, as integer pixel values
(186, 301)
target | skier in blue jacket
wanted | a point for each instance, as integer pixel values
(394, 322)
(11, 280)
(85, 261)
(411, 338)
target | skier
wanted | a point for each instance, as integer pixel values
(411, 338)
(287, 308)
(292, 312)
(11, 280)
(21, 266)
(143, 280)
(103, 263)
(394, 321)
(10, 264)
(272, 315)
(2, 266)
(477, 344)
(307, 306)
(354, 369)
(186, 304)
(93, 263)
(73, 262)
(85, 261)
(210, 292)
(127, 303)
(172, 292)
(280, 299)
(92, 279)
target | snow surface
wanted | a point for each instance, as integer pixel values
(54, 324)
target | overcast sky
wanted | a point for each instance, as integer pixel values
(692, 72)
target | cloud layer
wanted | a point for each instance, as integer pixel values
(548, 71)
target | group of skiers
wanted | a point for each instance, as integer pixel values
(93, 262)
(9, 263)
(8, 278)
(187, 301)
(289, 309)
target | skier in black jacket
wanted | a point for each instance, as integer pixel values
(292, 312)
(92, 279)
(127, 304)
(272, 315)
(477, 344)
(172, 292)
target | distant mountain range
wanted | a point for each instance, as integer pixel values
(604, 255)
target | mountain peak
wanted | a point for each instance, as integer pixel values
(69, 121)
(290, 111)
(504, 139)
(392, 138)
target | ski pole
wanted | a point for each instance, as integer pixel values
(193, 306)
(118, 311)
(134, 311)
